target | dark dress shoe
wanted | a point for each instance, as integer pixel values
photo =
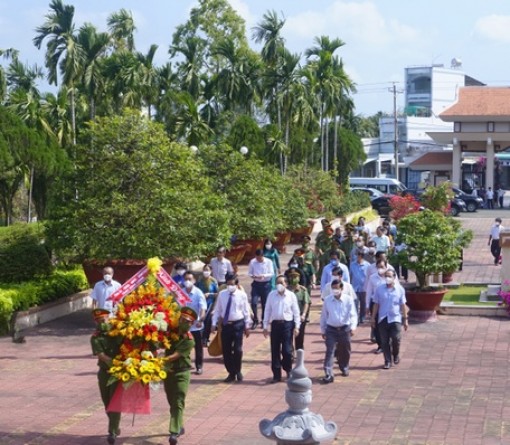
(328, 379)
(275, 380)
(181, 433)
(254, 325)
(111, 438)
(230, 378)
(199, 371)
(239, 377)
(396, 360)
(345, 372)
(387, 366)
(378, 351)
(172, 440)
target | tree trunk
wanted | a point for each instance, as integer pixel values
(335, 149)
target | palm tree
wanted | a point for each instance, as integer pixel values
(148, 78)
(190, 69)
(63, 52)
(321, 62)
(269, 32)
(121, 26)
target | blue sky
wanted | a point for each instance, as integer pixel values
(381, 37)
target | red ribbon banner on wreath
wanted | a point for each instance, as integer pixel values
(162, 276)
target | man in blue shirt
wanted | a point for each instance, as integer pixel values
(391, 312)
(359, 274)
(326, 272)
(199, 305)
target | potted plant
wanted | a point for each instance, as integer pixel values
(434, 243)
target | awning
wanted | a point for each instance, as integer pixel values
(381, 157)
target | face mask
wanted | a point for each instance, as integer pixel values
(294, 281)
(498, 224)
(206, 274)
(371, 250)
(305, 245)
(184, 326)
(107, 277)
(188, 284)
(181, 272)
(334, 262)
(294, 265)
(381, 271)
(337, 292)
(232, 288)
(268, 246)
(280, 288)
(390, 280)
(358, 244)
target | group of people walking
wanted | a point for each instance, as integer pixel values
(356, 282)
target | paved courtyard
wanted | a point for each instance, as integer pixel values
(451, 387)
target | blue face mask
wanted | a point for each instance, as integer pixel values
(334, 262)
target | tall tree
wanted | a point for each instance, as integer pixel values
(121, 26)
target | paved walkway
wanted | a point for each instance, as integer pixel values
(451, 387)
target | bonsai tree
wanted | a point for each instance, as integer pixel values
(133, 194)
(434, 243)
(438, 198)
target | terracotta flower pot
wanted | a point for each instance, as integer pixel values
(423, 303)
(252, 246)
(281, 240)
(297, 234)
(123, 270)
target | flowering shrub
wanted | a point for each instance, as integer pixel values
(504, 294)
(147, 321)
(402, 206)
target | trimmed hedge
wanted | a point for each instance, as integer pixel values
(23, 255)
(21, 297)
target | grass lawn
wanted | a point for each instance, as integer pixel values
(467, 295)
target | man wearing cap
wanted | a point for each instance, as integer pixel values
(282, 313)
(304, 302)
(338, 323)
(261, 270)
(178, 375)
(311, 263)
(103, 289)
(105, 348)
(233, 312)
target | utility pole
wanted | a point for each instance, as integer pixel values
(395, 127)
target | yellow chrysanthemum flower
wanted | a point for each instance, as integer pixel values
(162, 375)
(125, 377)
(146, 378)
(154, 264)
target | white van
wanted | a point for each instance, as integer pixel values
(385, 185)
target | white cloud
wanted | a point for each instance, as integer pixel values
(494, 27)
(356, 22)
(243, 10)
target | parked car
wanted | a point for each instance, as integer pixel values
(457, 205)
(385, 185)
(380, 201)
(473, 203)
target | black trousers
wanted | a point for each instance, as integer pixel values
(495, 250)
(390, 333)
(299, 340)
(199, 348)
(232, 344)
(259, 293)
(374, 332)
(281, 347)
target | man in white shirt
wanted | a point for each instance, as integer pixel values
(333, 262)
(338, 323)
(103, 289)
(261, 270)
(233, 310)
(282, 313)
(381, 240)
(494, 240)
(490, 198)
(220, 266)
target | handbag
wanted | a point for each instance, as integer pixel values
(215, 348)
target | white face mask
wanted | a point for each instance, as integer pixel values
(188, 284)
(232, 288)
(359, 244)
(206, 274)
(181, 272)
(107, 277)
(390, 280)
(381, 271)
(280, 288)
(268, 246)
(337, 292)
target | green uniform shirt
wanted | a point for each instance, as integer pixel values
(303, 297)
(102, 342)
(310, 260)
(183, 346)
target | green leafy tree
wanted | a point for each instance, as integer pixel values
(138, 195)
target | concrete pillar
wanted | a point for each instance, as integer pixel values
(504, 241)
(456, 163)
(489, 178)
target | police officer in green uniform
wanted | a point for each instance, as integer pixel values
(106, 348)
(304, 302)
(179, 372)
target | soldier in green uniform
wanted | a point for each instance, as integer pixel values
(179, 371)
(106, 348)
(311, 263)
(304, 302)
(323, 244)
